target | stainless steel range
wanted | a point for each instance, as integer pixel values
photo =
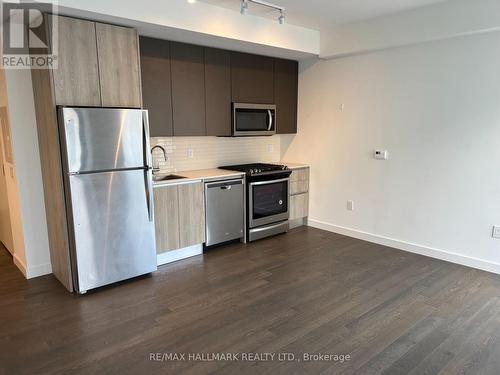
(267, 198)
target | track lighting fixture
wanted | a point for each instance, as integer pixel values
(281, 18)
(244, 8)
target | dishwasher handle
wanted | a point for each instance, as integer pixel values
(224, 185)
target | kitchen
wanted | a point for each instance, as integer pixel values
(185, 91)
(244, 186)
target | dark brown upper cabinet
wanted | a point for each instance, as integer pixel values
(285, 95)
(218, 92)
(252, 78)
(156, 85)
(188, 89)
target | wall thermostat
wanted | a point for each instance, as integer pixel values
(380, 154)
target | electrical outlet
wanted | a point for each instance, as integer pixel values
(350, 205)
(270, 148)
(496, 232)
(341, 107)
(190, 153)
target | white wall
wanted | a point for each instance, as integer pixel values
(200, 23)
(443, 20)
(36, 258)
(436, 108)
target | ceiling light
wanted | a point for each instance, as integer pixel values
(244, 7)
(281, 18)
(191, 1)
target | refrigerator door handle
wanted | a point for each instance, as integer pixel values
(147, 157)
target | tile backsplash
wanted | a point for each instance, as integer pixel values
(190, 153)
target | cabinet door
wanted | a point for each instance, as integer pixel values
(191, 214)
(299, 181)
(118, 56)
(252, 78)
(299, 206)
(218, 92)
(285, 93)
(166, 201)
(76, 80)
(156, 88)
(188, 89)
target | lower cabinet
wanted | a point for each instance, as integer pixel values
(179, 216)
(191, 214)
(299, 206)
(299, 193)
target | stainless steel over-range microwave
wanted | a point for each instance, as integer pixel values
(253, 119)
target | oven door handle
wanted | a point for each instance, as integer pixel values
(269, 182)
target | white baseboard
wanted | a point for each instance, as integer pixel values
(174, 255)
(32, 271)
(410, 247)
(39, 270)
(20, 264)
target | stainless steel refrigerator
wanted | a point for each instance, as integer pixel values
(109, 197)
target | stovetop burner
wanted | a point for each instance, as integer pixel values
(256, 168)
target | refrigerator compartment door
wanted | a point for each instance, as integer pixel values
(112, 237)
(101, 139)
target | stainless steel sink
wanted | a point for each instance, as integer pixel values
(168, 177)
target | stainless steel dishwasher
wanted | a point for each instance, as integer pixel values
(225, 216)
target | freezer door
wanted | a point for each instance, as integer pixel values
(99, 139)
(112, 234)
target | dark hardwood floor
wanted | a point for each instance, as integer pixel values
(309, 291)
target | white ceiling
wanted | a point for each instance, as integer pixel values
(326, 14)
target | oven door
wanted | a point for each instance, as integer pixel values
(268, 202)
(253, 119)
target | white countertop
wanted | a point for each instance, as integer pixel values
(294, 165)
(201, 175)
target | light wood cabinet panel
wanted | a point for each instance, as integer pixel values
(166, 201)
(299, 206)
(53, 188)
(76, 79)
(118, 57)
(299, 181)
(191, 214)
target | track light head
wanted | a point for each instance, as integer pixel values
(244, 7)
(281, 18)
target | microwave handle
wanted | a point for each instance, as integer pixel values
(270, 121)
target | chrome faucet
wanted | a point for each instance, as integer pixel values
(156, 168)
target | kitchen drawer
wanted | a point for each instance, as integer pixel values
(299, 181)
(299, 206)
